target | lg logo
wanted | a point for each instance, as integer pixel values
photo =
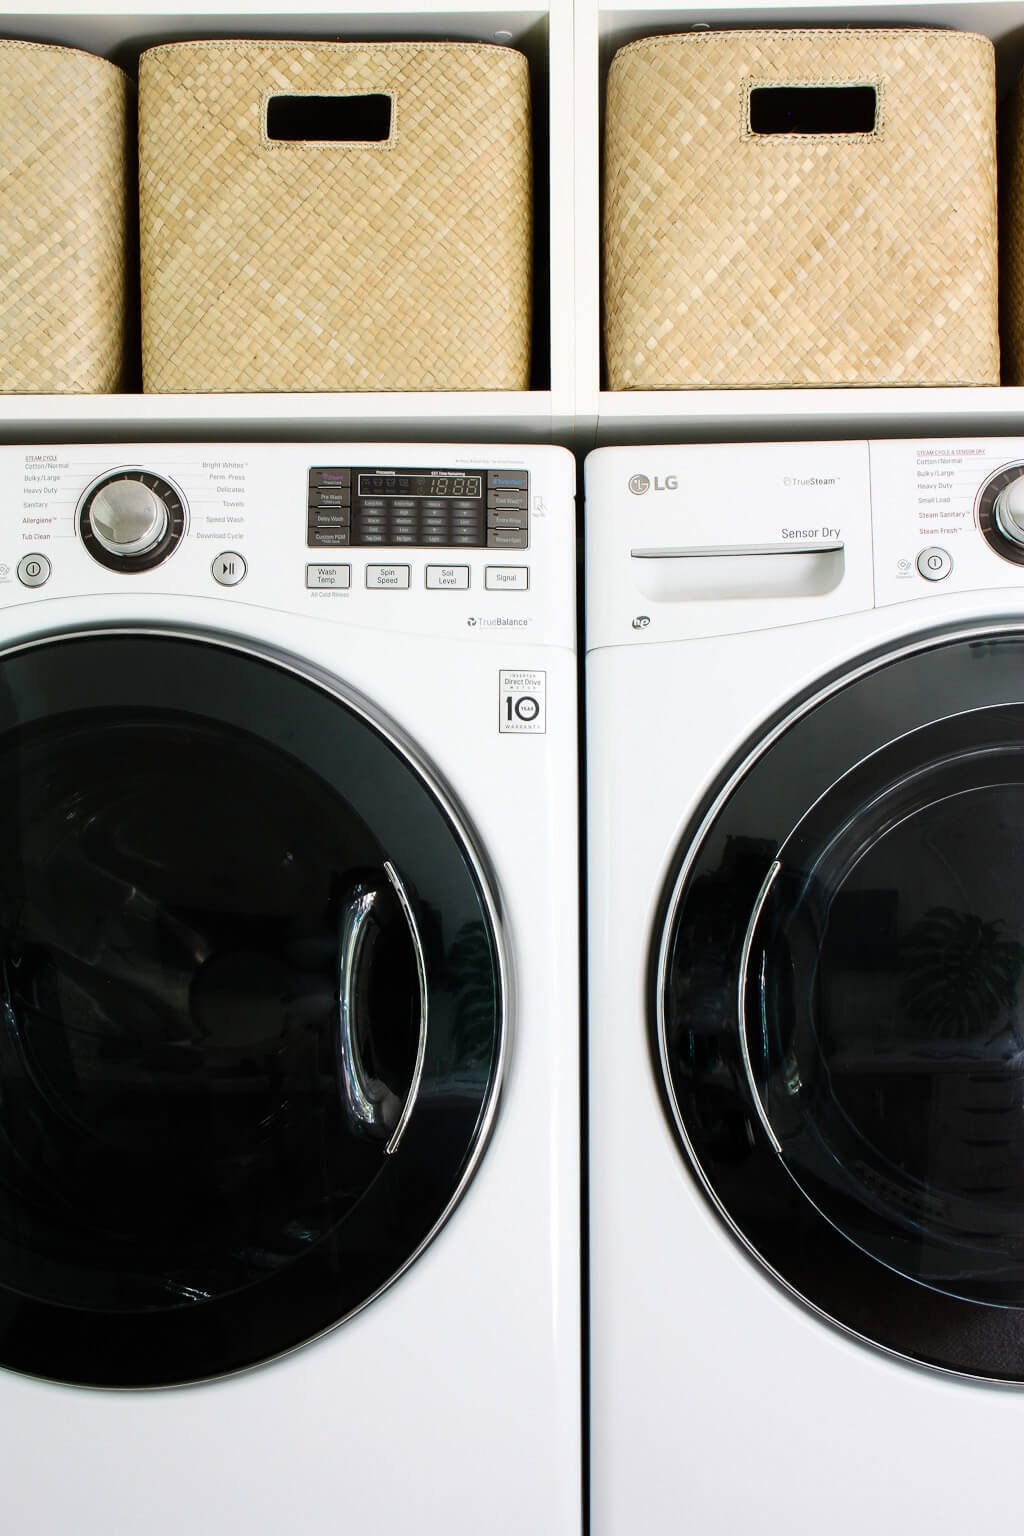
(641, 484)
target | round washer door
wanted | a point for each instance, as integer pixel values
(252, 1008)
(839, 1003)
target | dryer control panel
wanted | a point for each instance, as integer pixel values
(714, 539)
(947, 516)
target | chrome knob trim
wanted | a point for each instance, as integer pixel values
(128, 517)
(1009, 510)
(131, 520)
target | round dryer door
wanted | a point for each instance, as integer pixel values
(252, 1008)
(839, 1002)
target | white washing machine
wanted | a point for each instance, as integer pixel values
(288, 946)
(805, 686)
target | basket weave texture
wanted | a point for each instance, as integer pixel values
(272, 265)
(742, 259)
(65, 134)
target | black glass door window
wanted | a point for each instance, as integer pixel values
(251, 1009)
(840, 1004)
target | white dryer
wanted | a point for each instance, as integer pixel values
(805, 694)
(288, 948)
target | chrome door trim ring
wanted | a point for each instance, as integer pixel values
(665, 917)
(358, 704)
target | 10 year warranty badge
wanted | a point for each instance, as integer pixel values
(522, 703)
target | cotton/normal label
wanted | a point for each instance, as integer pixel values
(522, 703)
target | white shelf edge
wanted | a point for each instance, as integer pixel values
(284, 416)
(731, 415)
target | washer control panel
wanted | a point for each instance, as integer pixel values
(469, 540)
(417, 508)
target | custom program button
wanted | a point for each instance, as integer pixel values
(33, 570)
(934, 563)
(507, 578)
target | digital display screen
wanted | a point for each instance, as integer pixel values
(463, 486)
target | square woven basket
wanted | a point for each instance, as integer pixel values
(400, 261)
(65, 177)
(800, 208)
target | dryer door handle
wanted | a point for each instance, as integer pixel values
(713, 572)
(741, 1002)
(372, 1107)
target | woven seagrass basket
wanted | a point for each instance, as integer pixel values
(66, 148)
(806, 207)
(335, 216)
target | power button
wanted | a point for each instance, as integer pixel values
(934, 563)
(33, 570)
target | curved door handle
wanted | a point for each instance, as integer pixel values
(421, 978)
(741, 1001)
(371, 1105)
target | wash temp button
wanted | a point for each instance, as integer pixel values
(336, 576)
(507, 578)
(447, 578)
(393, 576)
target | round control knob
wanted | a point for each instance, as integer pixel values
(131, 520)
(127, 517)
(1009, 510)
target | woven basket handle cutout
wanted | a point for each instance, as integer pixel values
(808, 110)
(349, 121)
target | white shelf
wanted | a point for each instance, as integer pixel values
(752, 415)
(526, 416)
